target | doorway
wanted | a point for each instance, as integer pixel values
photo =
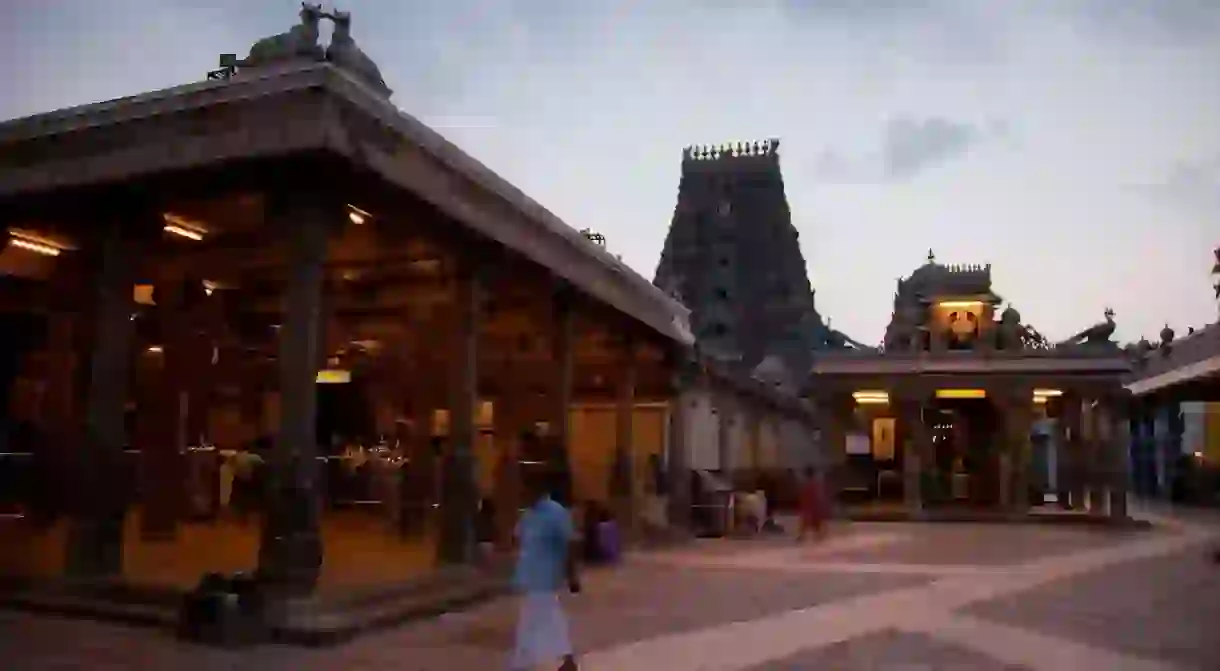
(965, 462)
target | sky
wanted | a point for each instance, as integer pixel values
(1072, 144)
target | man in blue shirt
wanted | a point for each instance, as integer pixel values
(544, 563)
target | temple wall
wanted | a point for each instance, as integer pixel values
(702, 433)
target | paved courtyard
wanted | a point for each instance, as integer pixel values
(872, 597)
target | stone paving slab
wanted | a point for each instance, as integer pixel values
(618, 606)
(889, 650)
(981, 545)
(647, 601)
(1163, 608)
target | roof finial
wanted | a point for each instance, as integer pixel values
(931, 256)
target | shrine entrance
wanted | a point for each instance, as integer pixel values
(964, 433)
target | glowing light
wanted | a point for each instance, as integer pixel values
(356, 215)
(1047, 393)
(181, 226)
(961, 393)
(871, 397)
(960, 304)
(155, 349)
(38, 247)
(334, 376)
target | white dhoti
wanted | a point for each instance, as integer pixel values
(542, 631)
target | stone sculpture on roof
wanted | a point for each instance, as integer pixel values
(344, 53)
(300, 43)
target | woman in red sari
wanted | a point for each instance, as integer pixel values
(812, 506)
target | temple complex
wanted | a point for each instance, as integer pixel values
(964, 405)
(269, 321)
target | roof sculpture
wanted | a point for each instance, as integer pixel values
(300, 43)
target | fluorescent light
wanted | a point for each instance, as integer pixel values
(182, 226)
(961, 393)
(960, 304)
(38, 247)
(334, 376)
(869, 397)
(357, 215)
(184, 232)
(155, 349)
(1047, 393)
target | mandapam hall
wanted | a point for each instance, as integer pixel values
(269, 321)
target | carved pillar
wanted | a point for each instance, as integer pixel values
(1118, 456)
(1018, 419)
(459, 491)
(290, 550)
(1175, 425)
(510, 418)
(1073, 451)
(95, 539)
(622, 481)
(916, 447)
(560, 395)
(1093, 434)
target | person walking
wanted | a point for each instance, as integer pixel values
(545, 561)
(812, 507)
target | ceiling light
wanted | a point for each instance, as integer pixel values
(39, 247)
(334, 376)
(357, 215)
(961, 393)
(182, 226)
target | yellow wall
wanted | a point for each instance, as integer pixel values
(592, 445)
(1211, 432)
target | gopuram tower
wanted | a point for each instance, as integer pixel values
(732, 256)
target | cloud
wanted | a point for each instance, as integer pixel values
(1190, 185)
(908, 147)
(912, 145)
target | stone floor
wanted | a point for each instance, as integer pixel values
(873, 596)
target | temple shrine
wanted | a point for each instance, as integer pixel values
(963, 406)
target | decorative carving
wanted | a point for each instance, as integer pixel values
(731, 150)
(300, 42)
(1167, 336)
(344, 53)
(1096, 335)
(1216, 271)
(594, 237)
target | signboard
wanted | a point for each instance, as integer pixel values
(858, 443)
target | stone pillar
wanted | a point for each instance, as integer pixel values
(459, 491)
(915, 449)
(560, 394)
(510, 419)
(100, 487)
(290, 549)
(1094, 455)
(1119, 454)
(1018, 421)
(623, 488)
(1176, 427)
(1073, 451)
